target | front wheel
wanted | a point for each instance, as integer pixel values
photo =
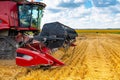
(7, 48)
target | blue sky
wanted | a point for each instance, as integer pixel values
(83, 13)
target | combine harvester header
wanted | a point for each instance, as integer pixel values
(53, 35)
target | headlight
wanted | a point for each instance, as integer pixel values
(27, 57)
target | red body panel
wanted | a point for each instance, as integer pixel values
(4, 24)
(36, 56)
(9, 14)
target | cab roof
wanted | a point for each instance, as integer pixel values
(27, 2)
(34, 3)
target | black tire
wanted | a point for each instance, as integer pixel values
(7, 48)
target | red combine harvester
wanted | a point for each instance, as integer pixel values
(18, 19)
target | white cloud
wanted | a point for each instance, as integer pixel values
(76, 1)
(66, 0)
(51, 4)
(81, 17)
(118, 0)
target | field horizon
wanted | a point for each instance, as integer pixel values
(97, 30)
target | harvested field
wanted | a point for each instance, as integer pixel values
(96, 57)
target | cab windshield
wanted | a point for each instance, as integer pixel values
(30, 16)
